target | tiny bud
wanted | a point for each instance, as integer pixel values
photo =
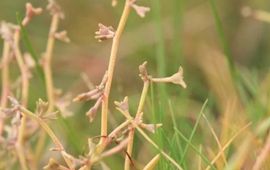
(151, 127)
(93, 94)
(62, 36)
(178, 78)
(104, 32)
(30, 13)
(140, 10)
(55, 9)
(143, 71)
(123, 105)
(7, 30)
(93, 110)
(41, 107)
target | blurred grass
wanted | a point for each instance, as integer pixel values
(189, 33)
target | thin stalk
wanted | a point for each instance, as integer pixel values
(24, 97)
(226, 146)
(113, 57)
(5, 79)
(135, 125)
(45, 127)
(48, 77)
(131, 132)
(47, 62)
(216, 138)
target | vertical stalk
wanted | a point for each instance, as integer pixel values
(131, 132)
(5, 79)
(24, 97)
(48, 76)
(113, 57)
(47, 62)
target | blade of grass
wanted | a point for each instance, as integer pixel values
(177, 140)
(223, 39)
(204, 158)
(193, 132)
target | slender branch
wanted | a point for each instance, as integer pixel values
(24, 97)
(47, 61)
(44, 125)
(5, 79)
(131, 132)
(113, 56)
(48, 76)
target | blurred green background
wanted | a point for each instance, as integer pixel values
(174, 33)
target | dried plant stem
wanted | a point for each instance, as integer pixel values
(47, 62)
(263, 155)
(157, 147)
(135, 125)
(45, 126)
(216, 138)
(48, 77)
(153, 163)
(24, 97)
(131, 132)
(5, 79)
(227, 145)
(113, 56)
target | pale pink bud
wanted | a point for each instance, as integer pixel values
(30, 13)
(140, 10)
(104, 32)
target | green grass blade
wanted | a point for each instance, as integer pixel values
(29, 47)
(204, 158)
(193, 132)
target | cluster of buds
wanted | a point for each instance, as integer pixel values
(138, 120)
(55, 9)
(104, 32)
(30, 13)
(140, 10)
(7, 31)
(94, 94)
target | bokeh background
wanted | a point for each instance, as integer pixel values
(174, 33)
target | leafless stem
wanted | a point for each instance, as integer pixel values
(113, 56)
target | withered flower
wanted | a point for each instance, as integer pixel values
(91, 114)
(7, 31)
(176, 78)
(55, 9)
(104, 32)
(123, 105)
(143, 71)
(150, 127)
(62, 36)
(30, 13)
(140, 10)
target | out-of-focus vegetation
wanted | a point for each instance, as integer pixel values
(223, 112)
